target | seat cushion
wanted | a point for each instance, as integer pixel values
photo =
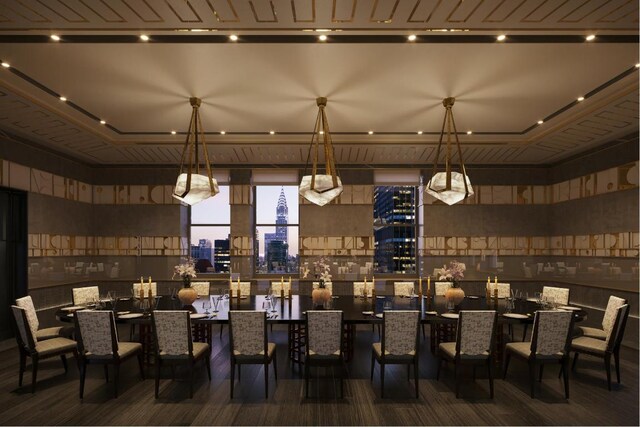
(55, 346)
(448, 349)
(126, 349)
(271, 348)
(377, 349)
(593, 333)
(592, 345)
(522, 349)
(199, 349)
(56, 331)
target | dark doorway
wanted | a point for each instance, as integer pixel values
(13, 253)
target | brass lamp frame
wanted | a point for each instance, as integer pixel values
(195, 136)
(322, 128)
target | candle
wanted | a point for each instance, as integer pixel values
(149, 280)
(429, 286)
(496, 280)
(420, 286)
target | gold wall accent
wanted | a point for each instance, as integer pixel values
(242, 246)
(241, 195)
(337, 246)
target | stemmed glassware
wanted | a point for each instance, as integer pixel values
(206, 305)
(216, 303)
(274, 303)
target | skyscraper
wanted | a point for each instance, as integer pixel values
(202, 250)
(276, 246)
(395, 241)
(222, 256)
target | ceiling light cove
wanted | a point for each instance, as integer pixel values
(272, 132)
(63, 99)
(370, 132)
(173, 132)
(233, 38)
(590, 37)
(469, 132)
(223, 132)
(144, 38)
(6, 65)
(322, 37)
(580, 98)
(501, 38)
(102, 122)
(419, 132)
(55, 37)
(540, 122)
(412, 38)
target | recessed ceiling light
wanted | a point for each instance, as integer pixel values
(272, 132)
(55, 37)
(501, 37)
(638, 65)
(173, 132)
(370, 132)
(590, 37)
(6, 65)
(63, 99)
(321, 132)
(469, 132)
(102, 122)
(222, 132)
(322, 38)
(419, 132)
(580, 98)
(144, 38)
(540, 122)
(412, 38)
(233, 38)
(322, 30)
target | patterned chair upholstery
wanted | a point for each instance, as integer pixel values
(324, 343)
(504, 289)
(550, 343)
(86, 295)
(202, 288)
(399, 344)
(145, 287)
(441, 288)
(249, 344)
(473, 345)
(278, 286)
(245, 289)
(359, 286)
(328, 285)
(98, 344)
(559, 295)
(30, 346)
(403, 288)
(26, 303)
(174, 344)
(607, 321)
(605, 348)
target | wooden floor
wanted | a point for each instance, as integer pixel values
(56, 400)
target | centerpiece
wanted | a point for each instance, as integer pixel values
(453, 273)
(322, 273)
(187, 270)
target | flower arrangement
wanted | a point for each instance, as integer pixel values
(186, 270)
(452, 273)
(321, 270)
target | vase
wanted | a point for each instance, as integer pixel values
(187, 295)
(320, 296)
(455, 294)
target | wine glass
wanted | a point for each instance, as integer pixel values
(216, 303)
(387, 305)
(206, 305)
(274, 303)
(269, 292)
(174, 293)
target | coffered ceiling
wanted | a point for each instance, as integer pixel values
(375, 79)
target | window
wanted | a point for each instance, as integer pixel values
(394, 229)
(276, 244)
(210, 229)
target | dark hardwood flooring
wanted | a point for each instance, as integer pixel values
(56, 400)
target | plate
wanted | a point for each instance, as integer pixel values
(379, 315)
(131, 316)
(473, 297)
(198, 315)
(568, 307)
(368, 313)
(515, 316)
(72, 308)
(70, 315)
(450, 315)
(120, 313)
(243, 297)
(532, 299)
(431, 313)
(380, 296)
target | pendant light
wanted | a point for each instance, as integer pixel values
(193, 187)
(449, 186)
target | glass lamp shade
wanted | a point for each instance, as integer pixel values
(200, 188)
(323, 191)
(437, 187)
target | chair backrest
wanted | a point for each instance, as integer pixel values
(614, 338)
(400, 332)
(324, 332)
(359, 286)
(278, 286)
(248, 332)
(327, 285)
(559, 295)
(504, 289)
(201, 288)
(26, 339)
(551, 333)
(441, 288)
(26, 303)
(145, 288)
(97, 333)
(610, 313)
(245, 289)
(403, 288)
(85, 295)
(172, 330)
(475, 332)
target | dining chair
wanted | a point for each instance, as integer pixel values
(85, 295)
(608, 320)
(145, 288)
(550, 342)
(559, 295)
(174, 344)
(324, 343)
(359, 286)
(441, 288)
(398, 345)
(245, 289)
(98, 344)
(26, 303)
(604, 348)
(248, 344)
(404, 289)
(30, 346)
(201, 288)
(327, 285)
(473, 344)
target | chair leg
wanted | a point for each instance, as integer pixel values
(233, 374)
(506, 365)
(490, 374)
(575, 360)
(106, 373)
(64, 363)
(607, 366)
(616, 356)
(541, 370)
(455, 375)
(424, 335)
(524, 332)
(474, 372)
(275, 367)
(373, 359)
(381, 379)
(34, 362)
(342, 374)
(191, 380)
(439, 363)
(221, 326)
(266, 380)
(415, 377)
(23, 366)
(239, 372)
(565, 371)
(157, 386)
(408, 372)
(532, 377)
(116, 377)
(207, 363)
(83, 373)
(141, 365)
(306, 379)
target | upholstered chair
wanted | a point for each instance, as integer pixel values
(174, 344)
(399, 344)
(473, 345)
(245, 289)
(550, 343)
(604, 348)
(403, 288)
(86, 295)
(201, 288)
(607, 321)
(26, 303)
(30, 346)
(98, 344)
(327, 285)
(324, 343)
(559, 295)
(249, 344)
(441, 288)
(359, 286)
(145, 288)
